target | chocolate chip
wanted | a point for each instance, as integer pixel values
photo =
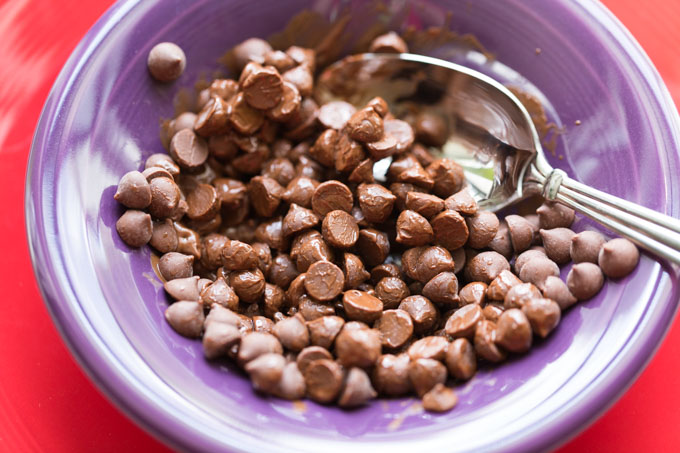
(373, 246)
(219, 338)
(485, 339)
(442, 289)
(543, 314)
(473, 293)
(358, 389)
(386, 146)
(224, 88)
(521, 232)
(335, 114)
(265, 195)
(174, 265)
(348, 154)
(292, 333)
(324, 280)
(188, 149)
(554, 215)
(248, 285)
(282, 271)
(376, 202)
(353, 268)
(460, 359)
(448, 177)
(324, 147)
(263, 87)
(501, 242)
(520, 294)
(390, 375)
(183, 288)
(311, 248)
(324, 380)
(395, 327)
(618, 258)
(450, 230)
(166, 62)
(256, 344)
(238, 256)
(538, 269)
(361, 306)
(585, 280)
(527, 256)
(164, 161)
(502, 284)
(413, 229)
(133, 191)
(271, 233)
(213, 119)
(391, 291)
(289, 106)
(272, 299)
(384, 270)
(362, 173)
(310, 354)
(462, 202)
(186, 318)
(459, 259)
(252, 49)
(299, 219)
(300, 191)
(402, 132)
(432, 261)
(164, 236)
(303, 121)
(417, 176)
(357, 345)
(514, 331)
(557, 244)
(439, 399)
(463, 322)
(486, 266)
(302, 77)
(265, 371)
(424, 374)
(340, 229)
(365, 125)
(219, 292)
(482, 226)
(292, 385)
(204, 204)
(432, 347)
(585, 246)
(244, 118)
(425, 204)
(423, 312)
(554, 288)
(323, 330)
(390, 42)
(165, 197)
(330, 196)
(135, 228)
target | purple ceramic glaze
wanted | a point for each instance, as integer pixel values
(102, 118)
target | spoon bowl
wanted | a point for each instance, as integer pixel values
(492, 135)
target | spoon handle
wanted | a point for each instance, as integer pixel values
(649, 229)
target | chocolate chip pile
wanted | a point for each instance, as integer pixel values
(283, 254)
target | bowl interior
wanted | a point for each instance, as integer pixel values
(102, 120)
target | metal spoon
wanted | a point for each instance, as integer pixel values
(493, 137)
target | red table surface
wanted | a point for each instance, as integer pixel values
(48, 404)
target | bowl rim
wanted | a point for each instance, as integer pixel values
(129, 394)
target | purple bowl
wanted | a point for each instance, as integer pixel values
(101, 120)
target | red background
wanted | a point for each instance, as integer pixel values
(48, 404)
